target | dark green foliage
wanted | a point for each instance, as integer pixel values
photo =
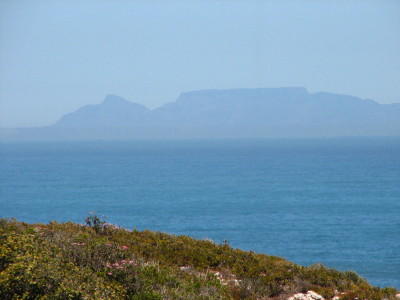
(30, 268)
(102, 261)
(96, 223)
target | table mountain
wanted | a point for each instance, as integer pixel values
(234, 113)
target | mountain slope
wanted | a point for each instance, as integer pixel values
(114, 111)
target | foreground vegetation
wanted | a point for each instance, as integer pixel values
(102, 261)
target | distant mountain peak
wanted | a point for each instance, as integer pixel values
(229, 113)
(114, 99)
(117, 102)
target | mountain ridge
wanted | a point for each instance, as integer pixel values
(230, 113)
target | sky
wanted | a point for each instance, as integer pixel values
(56, 56)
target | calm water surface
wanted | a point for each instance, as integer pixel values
(335, 201)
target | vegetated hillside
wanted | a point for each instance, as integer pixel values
(102, 261)
(236, 113)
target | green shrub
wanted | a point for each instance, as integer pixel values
(101, 261)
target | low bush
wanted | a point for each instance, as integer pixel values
(102, 261)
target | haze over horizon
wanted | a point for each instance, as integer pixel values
(58, 56)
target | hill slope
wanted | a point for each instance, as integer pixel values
(102, 261)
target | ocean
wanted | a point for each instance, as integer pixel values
(334, 201)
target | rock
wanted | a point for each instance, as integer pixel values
(314, 295)
(309, 296)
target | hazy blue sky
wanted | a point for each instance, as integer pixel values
(56, 56)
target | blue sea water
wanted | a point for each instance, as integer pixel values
(333, 200)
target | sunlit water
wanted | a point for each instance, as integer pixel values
(335, 201)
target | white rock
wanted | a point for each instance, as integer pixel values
(314, 295)
(309, 296)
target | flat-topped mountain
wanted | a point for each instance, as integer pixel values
(235, 113)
